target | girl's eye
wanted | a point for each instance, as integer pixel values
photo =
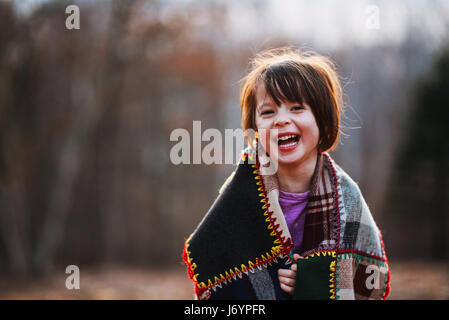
(297, 108)
(267, 112)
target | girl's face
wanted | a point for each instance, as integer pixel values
(297, 134)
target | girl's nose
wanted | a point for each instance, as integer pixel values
(282, 120)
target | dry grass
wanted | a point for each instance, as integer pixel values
(109, 283)
(419, 280)
(412, 280)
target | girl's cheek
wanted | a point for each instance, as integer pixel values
(265, 140)
(264, 123)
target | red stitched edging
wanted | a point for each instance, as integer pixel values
(337, 210)
(190, 272)
(287, 246)
(362, 254)
(387, 290)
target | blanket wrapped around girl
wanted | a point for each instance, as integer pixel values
(289, 223)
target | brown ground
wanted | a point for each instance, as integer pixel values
(413, 280)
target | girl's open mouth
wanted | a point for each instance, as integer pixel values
(287, 142)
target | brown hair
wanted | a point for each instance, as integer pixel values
(289, 75)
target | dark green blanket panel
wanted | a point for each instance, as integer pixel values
(313, 278)
(233, 232)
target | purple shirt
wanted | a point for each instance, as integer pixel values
(293, 205)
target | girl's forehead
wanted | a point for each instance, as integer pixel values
(262, 93)
(278, 90)
(262, 96)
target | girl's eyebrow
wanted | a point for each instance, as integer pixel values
(264, 104)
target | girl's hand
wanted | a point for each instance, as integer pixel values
(287, 277)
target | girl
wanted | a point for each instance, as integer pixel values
(302, 230)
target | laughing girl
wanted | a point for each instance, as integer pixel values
(303, 230)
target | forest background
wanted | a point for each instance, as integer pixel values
(86, 115)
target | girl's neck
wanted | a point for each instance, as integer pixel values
(297, 178)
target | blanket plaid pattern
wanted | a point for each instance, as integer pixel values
(342, 245)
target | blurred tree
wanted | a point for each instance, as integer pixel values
(86, 115)
(419, 188)
(85, 120)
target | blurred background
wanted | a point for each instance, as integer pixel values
(86, 116)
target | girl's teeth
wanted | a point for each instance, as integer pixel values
(289, 144)
(286, 137)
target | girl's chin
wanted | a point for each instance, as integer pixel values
(287, 162)
(289, 159)
(293, 158)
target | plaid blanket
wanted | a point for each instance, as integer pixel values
(243, 240)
